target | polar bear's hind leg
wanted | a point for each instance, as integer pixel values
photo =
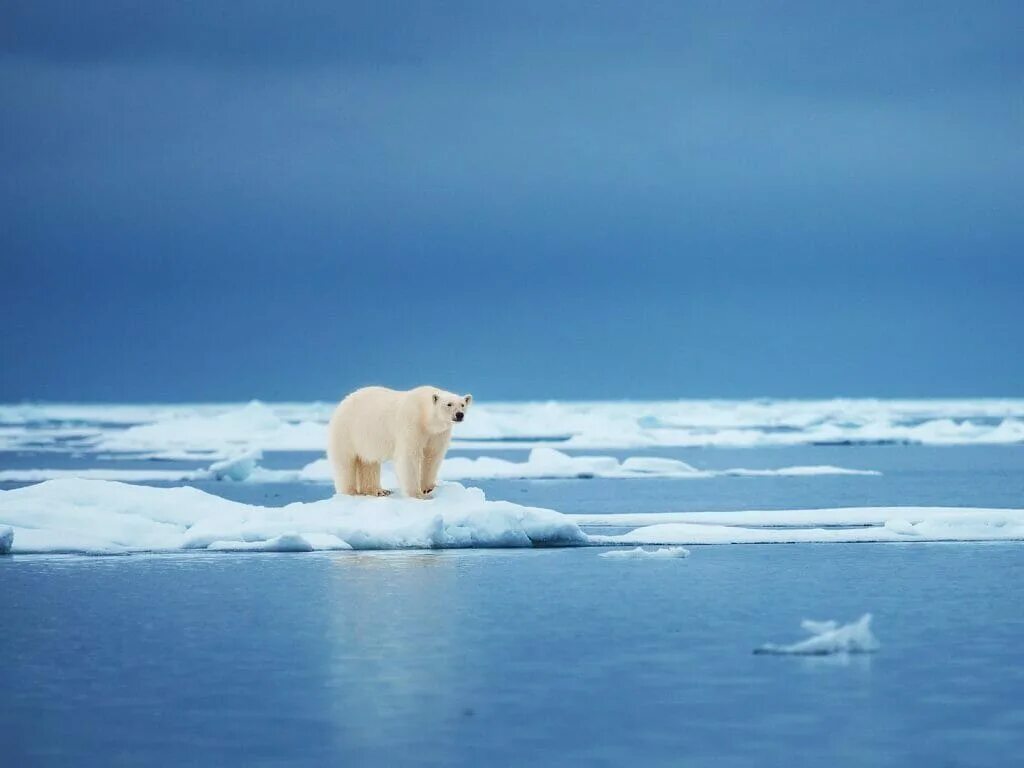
(345, 474)
(368, 478)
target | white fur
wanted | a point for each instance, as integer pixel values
(376, 424)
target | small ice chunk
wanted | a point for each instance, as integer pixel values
(6, 539)
(828, 637)
(664, 553)
(286, 542)
(236, 468)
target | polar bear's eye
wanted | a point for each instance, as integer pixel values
(449, 405)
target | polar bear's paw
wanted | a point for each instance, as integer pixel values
(382, 492)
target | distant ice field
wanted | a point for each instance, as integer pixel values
(221, 430)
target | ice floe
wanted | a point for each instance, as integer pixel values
(811, 525)
(869, 524)
(639, 553)
(829, 637)
(237, 468)
(903, 519)
(95, 516)
(77, 515)
(551, 464)
(541, 464)
(217, 431)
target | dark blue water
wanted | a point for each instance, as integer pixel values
(537, 657)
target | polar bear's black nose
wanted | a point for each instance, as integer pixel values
(460, 416)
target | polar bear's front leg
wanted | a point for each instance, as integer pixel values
(409, 467)
(431, 466)
(433, 455)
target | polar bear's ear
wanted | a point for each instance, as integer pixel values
(435, 397)
(468, 399)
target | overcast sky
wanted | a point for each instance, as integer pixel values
(226, 200)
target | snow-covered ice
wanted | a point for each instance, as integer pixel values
(869, 524)
(829, 637)
(286, 542)
(550, 464)
(216, 431)
(906, 517)
(541, 464)
(238, 467)
(76, 515)
(100, 516)
(639, 553)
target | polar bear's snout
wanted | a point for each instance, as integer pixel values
(460, 415)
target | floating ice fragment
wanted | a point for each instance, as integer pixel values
(286, 542)
(238, 468)
(664, 553)
(828, 637)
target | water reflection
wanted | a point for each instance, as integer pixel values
(393, 649)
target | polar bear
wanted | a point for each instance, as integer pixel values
(375, 424)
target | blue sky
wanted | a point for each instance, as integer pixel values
(524, 200)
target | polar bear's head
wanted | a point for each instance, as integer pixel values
(449, 407)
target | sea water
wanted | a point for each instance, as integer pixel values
(543, 656)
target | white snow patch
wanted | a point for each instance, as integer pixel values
(100, 516)
(664, 553)
(829, 637)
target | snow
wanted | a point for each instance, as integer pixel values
(954, 529)
(250, 427)
(95, 516)
(83, 515)
(664, 553)
(541, 464)
(829, 637)
(217, 431)
(549, 464)
(903, 519)
(286, 542)
(102, 473)
(877, 524)
(238, 467)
